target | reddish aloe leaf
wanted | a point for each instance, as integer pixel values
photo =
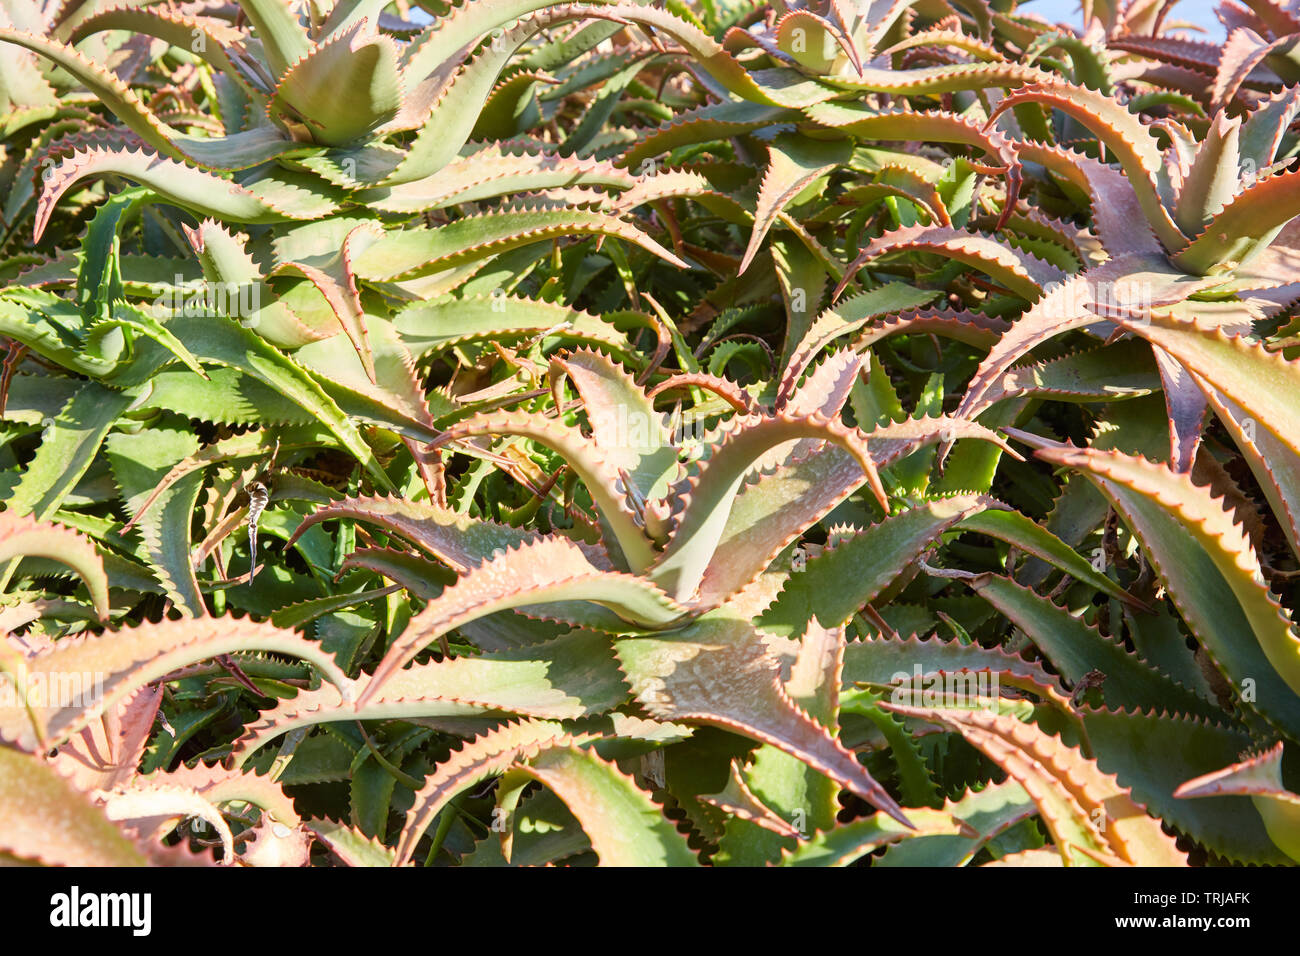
(1083, 808)
(625, 826)
(542, 571)
(1245, 225)
(336, 281)
(767, 514)
(727, 390)
(718, 671)
(1116, 212)
(703, 502)
(350, 845)
(826, 388)
(1218, 587)
(793, 790)
(1124, 134)
(569, 677)
(1243, 51)
(633, 438)
(457, 540)
(43, 818)
(70, 680)
(1022, 273)
(588, 461)
(1142, 281)
(737, 800)
(1186, 404)
(24, 536)
(487, 756)
(107, 751)
(1260, 778)
(794, 162)
(971, 328)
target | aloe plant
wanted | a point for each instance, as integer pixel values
(511, 433)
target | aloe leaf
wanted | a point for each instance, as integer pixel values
(68, 449)
(1077, 302)
(1154, 754)
(633, 438)
(128, 659)
(343, 89)
(1218, 587)
(839, 581)
(351, 846)
(1084, 809)
(625, 826)
(793, 163)
(694, 675)
(849, 842)
(1106, 373)
(1274, 462)
(139, 462)
(575, 675)
(1022, 273)
(489, 755)
(284, 41)
(1255, 379)
(1125, 135)
(431, 327)
(450, 118)
(415, 252)
(44, 819)
(768, 514)
(1245, 225)
(989, 812)
(239, 151)
(539, 572)
(221, 341)
(495, 169)
(1076, 649)
(844, 318)
(1025, 534)
(780, 787)
(203, 193)
(1260, 778)
(717, 121)
(705, 500)
(24, 537)
(910, 663)
(586, 460)
(458, 541)
(226, 261)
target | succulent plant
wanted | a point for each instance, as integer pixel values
(512, 433)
